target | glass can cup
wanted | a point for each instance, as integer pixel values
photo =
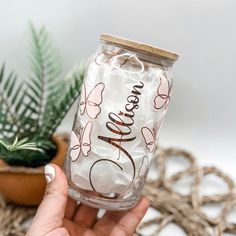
(124, 98)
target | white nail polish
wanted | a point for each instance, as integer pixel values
(50, 173)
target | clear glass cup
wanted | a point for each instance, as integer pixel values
(124, 98)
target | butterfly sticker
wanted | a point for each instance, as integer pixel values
(127, 62)
(80, 142)
(142, 172)
(150, 138)
(143, 169)
(120, 60)
(162, 98)
(105, 56)
(91, 103)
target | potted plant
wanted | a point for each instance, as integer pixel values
(30, 113)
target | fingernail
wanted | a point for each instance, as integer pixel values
(49, 172)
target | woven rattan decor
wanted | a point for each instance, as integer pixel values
(173, 207)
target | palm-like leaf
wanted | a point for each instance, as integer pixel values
(35, 108)
(45, 66)
(11, 98)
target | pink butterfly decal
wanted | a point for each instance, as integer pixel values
(127, 62)
(119, 59)
(91, 102)
(163, 93)
(80, 142)
(142, 173)
(150, 138)
(143, 169)
(105, 56)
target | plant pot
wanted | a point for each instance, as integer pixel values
(26, 186)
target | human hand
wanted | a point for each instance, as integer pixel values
(59, 215)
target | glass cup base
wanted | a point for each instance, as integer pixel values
(101, 203)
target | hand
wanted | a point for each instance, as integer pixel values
(59, 215)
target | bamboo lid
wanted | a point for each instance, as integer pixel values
(145, 48)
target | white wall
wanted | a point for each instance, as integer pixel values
(202, 114)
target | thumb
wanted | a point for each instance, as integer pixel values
(51, 211)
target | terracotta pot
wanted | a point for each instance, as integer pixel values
(26, 186)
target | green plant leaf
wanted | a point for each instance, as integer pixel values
(31, 111)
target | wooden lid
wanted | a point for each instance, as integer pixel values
(139, 46)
